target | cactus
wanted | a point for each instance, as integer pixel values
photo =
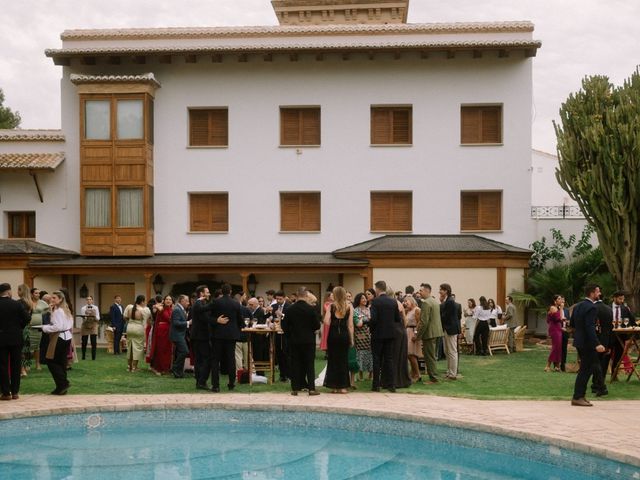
(599, 167)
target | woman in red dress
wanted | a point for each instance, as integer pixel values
(161, 354)
(555, 318)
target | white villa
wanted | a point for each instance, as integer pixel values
(341, 146)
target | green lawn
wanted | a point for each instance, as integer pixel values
(516, 376)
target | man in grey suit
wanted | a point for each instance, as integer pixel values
(510, 319)
(177, 335)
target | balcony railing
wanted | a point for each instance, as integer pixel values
(556, 211)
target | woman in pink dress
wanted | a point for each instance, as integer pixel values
(161, 347)
(554, 321)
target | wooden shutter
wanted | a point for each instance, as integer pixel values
(219, 127)
(391, 125)
(481, 124)
(300, 212)
(491, 211)
(480, 211)
(380, 126)
(198, 127)
(299, 126)
(209, 212)
(209, 127)
(391, 211)
(310, 126)
(469, 211)
(492, 125)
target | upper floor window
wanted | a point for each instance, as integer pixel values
(97, 207)
(299, 126)
(391, 211)
(209, 212)
(127, 113)
(481, 124)
(391, 125)
(22, 224)
(208, 127)
(481, 210)
(300, 211)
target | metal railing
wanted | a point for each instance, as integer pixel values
(556, 211)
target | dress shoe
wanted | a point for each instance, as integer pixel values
(231, 387)
(178, 376)
(451, 377)
(581, 402)
(5, 397)
(313, 393)
(294, 393)
(602, 393)
(15, 396)
(215, 389)
(200, 386)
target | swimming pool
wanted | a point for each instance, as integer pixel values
(251, 444)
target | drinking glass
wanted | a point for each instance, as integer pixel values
(625, 320)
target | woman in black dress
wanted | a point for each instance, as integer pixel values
(339, 320)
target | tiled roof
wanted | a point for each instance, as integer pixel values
(30, 247)
(430, 243)
(19, 135)
(78, 79)
(355, 45)
(208, 259)
(295, 30)
(30, 161)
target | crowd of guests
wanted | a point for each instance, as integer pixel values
(591, 322)
(36, 328)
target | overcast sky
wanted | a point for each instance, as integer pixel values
(579, 37)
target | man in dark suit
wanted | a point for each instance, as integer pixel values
(226, 331)
(279, 309)
(586, 342)
(300, 325)
(117, 322)
(13, 319)
(604, 324)
(620, 312)
(451, 327)
(200, 342)
(178, 335)
(259, 343)
(384, 314)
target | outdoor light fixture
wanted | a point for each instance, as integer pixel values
(252, 284)
(84, 291)
(158, 284)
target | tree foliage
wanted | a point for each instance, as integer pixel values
(560, 249)
(599, 167)
(8, 118)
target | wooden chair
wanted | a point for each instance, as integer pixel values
(518, 338)
(498, 339)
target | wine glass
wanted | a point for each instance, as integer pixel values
(625, 320)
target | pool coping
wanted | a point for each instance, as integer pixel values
(551, 422)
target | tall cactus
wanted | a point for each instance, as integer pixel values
(599, 167)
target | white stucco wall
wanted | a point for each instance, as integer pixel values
(254, 169)
(13, 277)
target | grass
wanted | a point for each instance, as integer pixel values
(516, 376)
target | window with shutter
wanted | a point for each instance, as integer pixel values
(208, 127)
(391, 211)
(22, 224)
(209, 212)
(391, 125)
(299, 126)
(300, 212)
(481, 124)
(480, 211)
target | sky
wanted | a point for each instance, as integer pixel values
(579, 38)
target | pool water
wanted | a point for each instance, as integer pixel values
(221, 444)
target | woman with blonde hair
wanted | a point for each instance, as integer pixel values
(40, 307)
(338, 319)
(414, 344)
(60, 335)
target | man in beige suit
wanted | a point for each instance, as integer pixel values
(429, 330)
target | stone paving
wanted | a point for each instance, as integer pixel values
(609, 428)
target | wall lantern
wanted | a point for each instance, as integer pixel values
(158, 284)
(252, 284)
(84, 291)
